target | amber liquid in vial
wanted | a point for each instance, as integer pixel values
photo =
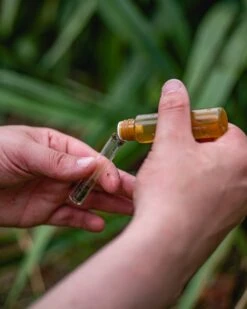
(207, 124)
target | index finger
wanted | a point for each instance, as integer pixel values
(109, 178)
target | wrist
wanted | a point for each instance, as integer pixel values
(182, 242)
(160, 255)
(176, 236)
(162, 232)
(165, 242)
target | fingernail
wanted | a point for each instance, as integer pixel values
(85, 162)
(171, 85)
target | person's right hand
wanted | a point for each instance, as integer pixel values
(196, 192)
(187, 197)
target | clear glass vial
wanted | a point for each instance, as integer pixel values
(207, 124)
(83, 188)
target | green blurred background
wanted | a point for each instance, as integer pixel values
(81, 66)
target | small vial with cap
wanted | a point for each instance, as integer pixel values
(207, 124)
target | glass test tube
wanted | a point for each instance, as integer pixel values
(83, 188)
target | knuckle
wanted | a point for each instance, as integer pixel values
(173, 101)
(238, 134)
(172, 135)
(235, 136)
(54, 140)
(56, 162)
(64, 216)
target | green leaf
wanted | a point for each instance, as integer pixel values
(170, 18)
(208, 43)
(126, 85)
(41, 238)
(200, 279)
(8, 13)
(126, 20)
(47, 14)
(50, 104)
(227, 71)
(48, 93)
(241, 242)
(35, 110)
(129, 155)
(121, 100)
(73, 28)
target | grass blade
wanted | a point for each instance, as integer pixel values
(241, 242)
(8, 12)
(208, 42)
(126, 20)
(74, 26)
(198, 282)
(121, 101)
(41, 238)
(47, 14)
(43, 91)
(226, 73)
(35, 110)
(170, 18)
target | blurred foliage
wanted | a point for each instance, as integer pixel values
(81, 66)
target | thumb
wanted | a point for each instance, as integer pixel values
(58, 165)
(174, 112)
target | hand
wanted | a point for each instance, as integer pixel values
(38, 167)
(187, 197)
(194, 192)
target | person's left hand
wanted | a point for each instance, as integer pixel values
(39, 166)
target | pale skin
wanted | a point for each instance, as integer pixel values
(38, 168)
(187, 196)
